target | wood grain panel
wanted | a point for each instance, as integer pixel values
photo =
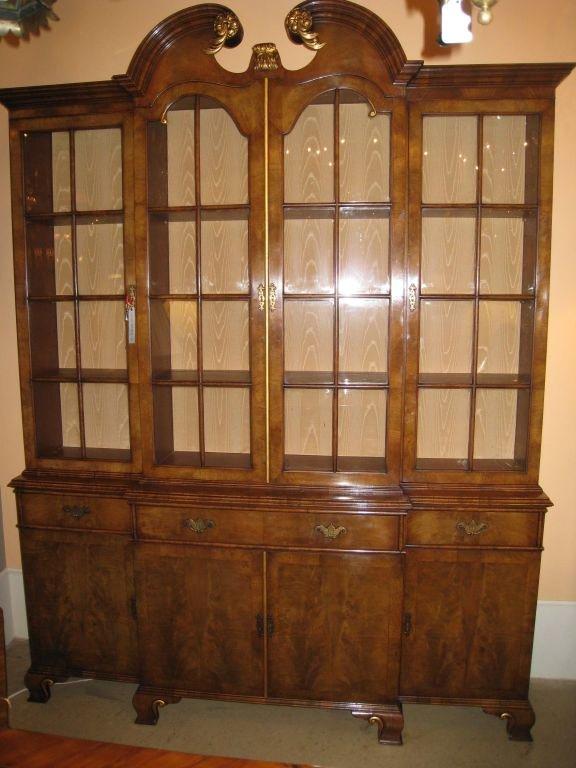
(308, 255)
(100, 250)
(53, 510)
(502, 255)
(181, 254)
(308, 422)
(225, 336)
(227, 420)
(169, 524)
(448, 254)
(504, 529)
(180, 156)
(300, 529)
(499, 336)
(183, 335)
(66, 335)
(449, 163)
(185, 419)
(504, 159)
(63, 275)
(446, 336)
(69, 415)
(443, 423)
(225, 256)
(309, 157)
(337, 626)
(364, 155)
(363, 337)
(98, 164)
(198, 613)
(495, 423)
(362, 422)
(308, 332)
(106, 421)
(223, 159)
(61, 171)
(102, 334)
(364, 255)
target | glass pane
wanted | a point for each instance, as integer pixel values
(309, 157)
(52, 338)
(173, 327)
(363, 340)
(449, 168)
(47, 172)
(56, 420)
(364, 152)
(446, 335)
(501, 428)
(448, 252)
(308, 341)
(106, 423)
(443, 428)
(185, 419)
(225, 337)
(308, 428)
(223, 157)
(180, 156)
(504, 337)
(100, 249)
(176, 432)
(504, 159)
(172, 253)
(361, 429)
(98, 166)
(49, 258)
(227, 426)
(225, 254)
(364, 248)
(70, 418)
(102, 335)
(308, 252)
(507, 255)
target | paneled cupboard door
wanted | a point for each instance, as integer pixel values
(477, 285)
(336, 276)
(74, 221)
(201, 216)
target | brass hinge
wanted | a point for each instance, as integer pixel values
(260, 625)
(133, 610)
(407, 624)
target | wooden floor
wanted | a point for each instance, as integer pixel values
(24, 749)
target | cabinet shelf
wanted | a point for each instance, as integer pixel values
(215, 460)
(86, 375)
(111, 216)
(209, 378)
(346, 379)
(94, 454)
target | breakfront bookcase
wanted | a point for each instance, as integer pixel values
(282, 344)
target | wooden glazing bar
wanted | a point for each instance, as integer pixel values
(199, 360)
(336, 273)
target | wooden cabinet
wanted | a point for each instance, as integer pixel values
(282, 342)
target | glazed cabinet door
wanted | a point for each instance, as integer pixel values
(200, 618)
(73, 225)
(469, 621)
(201, 226)
(80, 601)
(334, 626)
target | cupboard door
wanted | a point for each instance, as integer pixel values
(335, 626)
(79, 597)
(199, 610)
(469, 623)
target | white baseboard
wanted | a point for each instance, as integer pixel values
(554, 654)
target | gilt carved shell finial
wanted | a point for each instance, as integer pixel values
(299, 25)
(227, 32)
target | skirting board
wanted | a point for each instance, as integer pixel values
(554, 654)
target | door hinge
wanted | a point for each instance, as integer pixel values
(260, 625)
(407, 624)
(133, 608)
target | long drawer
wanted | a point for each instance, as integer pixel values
(473, 529)
(320, 530)
(75, 512)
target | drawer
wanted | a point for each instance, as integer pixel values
(76, 512)
(473, 529)
(334, 531)
(222, 526)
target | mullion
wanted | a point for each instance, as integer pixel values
(198, 215)
(336, 270)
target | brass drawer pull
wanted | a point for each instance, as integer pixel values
(330, 531)
(471, 528)
(75, 511)
(198, 526)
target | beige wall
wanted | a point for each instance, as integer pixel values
(96, 40)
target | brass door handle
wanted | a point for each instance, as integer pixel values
(330, 531)
(471, 528)
(272, 294)
(261, 297)
(412, 297)
(198, 526)
(76, 511)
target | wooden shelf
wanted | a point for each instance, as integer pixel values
(442, 464)
(445, 380)
(86, 375)
(209, 378)
(361, 464)
(296, 463)
(215, 460)
(498, 465)
(504, 380)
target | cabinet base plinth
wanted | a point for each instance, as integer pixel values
(148, 706)
(519, 719)
(389, 720)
